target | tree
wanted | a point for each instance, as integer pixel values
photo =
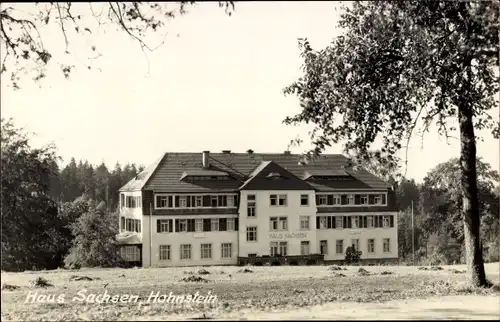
(21, 30)
(94, 238)
(31, 228)
(352, 256)
(400, 66)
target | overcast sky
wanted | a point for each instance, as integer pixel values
(215, 84)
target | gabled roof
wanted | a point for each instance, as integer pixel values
(271, 176)
(164, 174)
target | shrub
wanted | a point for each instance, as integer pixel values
(352, 256)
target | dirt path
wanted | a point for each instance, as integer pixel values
(449, 307)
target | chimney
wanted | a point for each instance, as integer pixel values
(287, 152)
(226, 151)
(205, 161)
(250, 151)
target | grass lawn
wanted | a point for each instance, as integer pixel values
(264, 290)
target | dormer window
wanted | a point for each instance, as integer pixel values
(274, 176)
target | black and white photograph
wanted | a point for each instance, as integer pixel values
(253, 160)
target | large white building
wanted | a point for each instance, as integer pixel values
(236, 208)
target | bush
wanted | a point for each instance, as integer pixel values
(352, 256)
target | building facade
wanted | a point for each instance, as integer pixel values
(191, 209)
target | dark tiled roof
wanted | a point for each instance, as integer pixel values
(165, 174)
(271, 176)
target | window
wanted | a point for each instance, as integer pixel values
(182, 225)
(304, 200)
(355, 222)
(337, 200)
(273, 223)
(198, 225)
(182, 202)
(185, 251)
(369, 221)
(206, 251)
(130, 253)
(251, 205)
(322, 200)
(122, 200)
(355, 244)
(282, 200)
(230, 224)
(364, 199)
(215, 224)
(387, 222)
(304, 222)
(304, 247)
(199, 201)
(252, 233)
(387, 245)
(378, 199)
(350, 199)
(339, 222)
(283, 224)
(322, 222)
(122, 224)
(371, 245)
(339, 246)
(273, 200)
(273, 248)
(226, 250)
(283, 248)
(161, 201)
(230, 201)
(164, 252)
(213, 201)
(138, 226)
(222, 201)
(323, 247)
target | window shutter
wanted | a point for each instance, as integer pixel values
(236, 224)
(317, 222)
(329, 222)
(392, 221)
(375, 221)
(176, 225)
(365, 222)
(170, 225)
(357, 199)
(176, 201)
(222, 224)
(158, 225)
(334, 222)
(344, 221)
(371, 199)
(343, 199)
(349, 222)
(383, 199)
(206, 225)
(381, 221)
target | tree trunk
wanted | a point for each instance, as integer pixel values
(470, 204)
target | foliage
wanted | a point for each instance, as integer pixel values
(31, 229)
(351, 255)
(94, 238)
(22, 29)
(403, 65)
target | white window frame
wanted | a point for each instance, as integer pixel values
(230, 201)
(283, 223)
(337, 200)
(273, 198)
(230, 224)
(305, 247)
(339, 219)
(365, 198)
(183, 223)
(214, 224)
(251, 202)
(185, 251)
(273, 224)
(206, 251)
(283, 248)
(305, 222)
(322, 200)
(199, 201)
(371, 245)
(251, 231)
(323, 222)
(164, 253)
(350, 199)
(355, 222)
(386, 242)
(182, 201)
(164, 225)
(377, 199)
(339, 242)
(157, 206)
(369, 222)
(386, 221)
(273, 248)
(282, 200)
(355, 242)
(198, 225)
(306, 198)
(226, 250)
